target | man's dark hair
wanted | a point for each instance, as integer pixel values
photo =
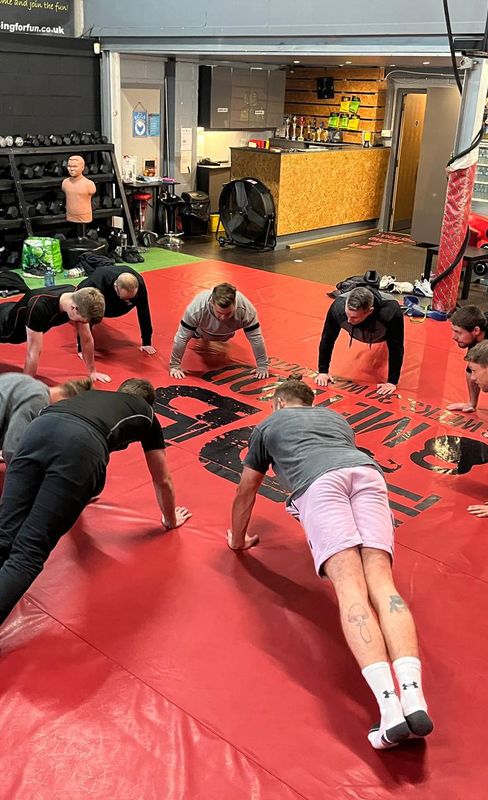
(469, 318)
(478, 354)
(360, 299)
(293, 388)
(224, 295)
(140, 388)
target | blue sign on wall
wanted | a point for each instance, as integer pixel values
(139, 124)
(154, 124)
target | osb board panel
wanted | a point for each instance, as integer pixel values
(321, 190)
(264, 166)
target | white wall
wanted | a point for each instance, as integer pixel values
(147, 147)
(215, 144)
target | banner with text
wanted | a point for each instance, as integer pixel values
(40, 17)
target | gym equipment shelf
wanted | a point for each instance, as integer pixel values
(43, 183)
(53, 219)
(17, 185)
(11, 223)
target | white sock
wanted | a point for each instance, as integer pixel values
(380, 680)
(408, 671)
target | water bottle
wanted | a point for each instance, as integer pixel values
(49, 276)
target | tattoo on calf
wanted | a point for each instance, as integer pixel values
(358, 615)
(397, 605)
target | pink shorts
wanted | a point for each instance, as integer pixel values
(345, 508)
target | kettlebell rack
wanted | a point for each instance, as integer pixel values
(26, 213)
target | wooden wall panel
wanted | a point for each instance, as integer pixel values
(367, 83)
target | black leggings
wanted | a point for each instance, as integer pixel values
(59, 466)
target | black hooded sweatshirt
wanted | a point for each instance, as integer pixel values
(384, 324)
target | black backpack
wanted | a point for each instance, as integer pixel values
(370, 279)
(11, 283)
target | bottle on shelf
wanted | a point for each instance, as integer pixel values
(313, 129)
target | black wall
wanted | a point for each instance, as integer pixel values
(48, 86)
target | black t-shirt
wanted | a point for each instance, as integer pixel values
(38, 310)
(104, 278)
(117, 417)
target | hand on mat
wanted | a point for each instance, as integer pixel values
(100, 376)
(182, 515)
(479, 511)
(385, 389)
(261, 372)
(323, 379)
(176, 372)
(466, 408)
(249, 541)
(149, 349)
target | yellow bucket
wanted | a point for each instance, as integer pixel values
(214, 221)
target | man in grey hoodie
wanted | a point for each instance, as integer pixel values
(215, 315)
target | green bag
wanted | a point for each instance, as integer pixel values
(42, 250)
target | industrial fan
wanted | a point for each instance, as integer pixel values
(247, 214)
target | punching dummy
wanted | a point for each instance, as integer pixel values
(79, 191)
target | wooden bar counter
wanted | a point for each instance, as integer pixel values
(317, 189)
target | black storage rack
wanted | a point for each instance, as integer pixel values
(16, 186)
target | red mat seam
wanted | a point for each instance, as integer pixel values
(140, 680)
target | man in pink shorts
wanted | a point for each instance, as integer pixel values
(339, 495)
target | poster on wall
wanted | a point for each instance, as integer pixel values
(139, 124)
(154, 124)
(38, 17)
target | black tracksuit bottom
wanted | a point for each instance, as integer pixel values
(59, 466)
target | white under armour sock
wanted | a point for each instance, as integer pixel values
(408, 671)
(392, 727)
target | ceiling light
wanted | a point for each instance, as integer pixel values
(340, 65)
(348, 62)
(296, 62)
(425, 63)
(392, 65)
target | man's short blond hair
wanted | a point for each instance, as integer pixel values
(90, 303)
(127, 281)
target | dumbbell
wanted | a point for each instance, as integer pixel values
(75, 138)
(38, 170)
(93, 169)
(86, 138)
(54, 169)
(55, 140)
(40, 209)
(108, 201)
(55, 207)
(9, 212)
(32, 140)
(31, 210)
(117, 203)
(95, 203)
(26, 171)
(6, 141)
(43, 140)
(105, 168)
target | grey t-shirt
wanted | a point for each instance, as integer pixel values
(302, 443)
(21, 399)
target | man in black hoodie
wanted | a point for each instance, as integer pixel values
(370, 318)
(124, 289)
